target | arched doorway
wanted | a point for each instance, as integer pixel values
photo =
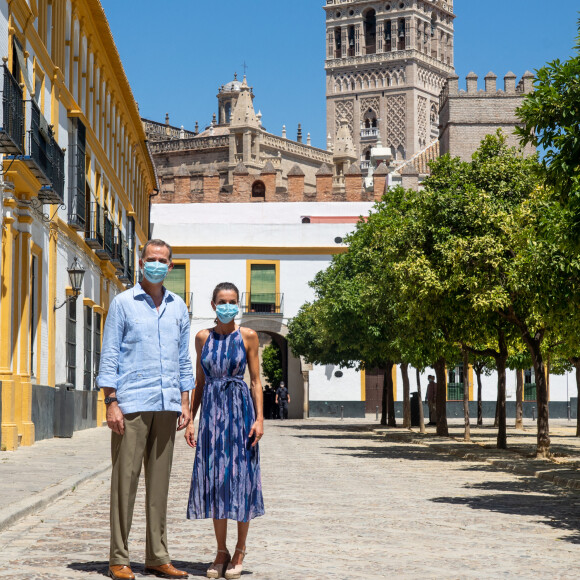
(271, 327)
(259, 189)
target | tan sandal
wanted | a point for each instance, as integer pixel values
(217, 570)
(235, 571)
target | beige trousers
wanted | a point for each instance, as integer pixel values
(149, 439)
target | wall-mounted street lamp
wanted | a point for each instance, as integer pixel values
(76, 273)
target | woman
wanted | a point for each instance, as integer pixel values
(226, 482)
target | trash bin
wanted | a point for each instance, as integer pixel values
(64, 410)
(415, 415)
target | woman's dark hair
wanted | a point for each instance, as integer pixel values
(225, 286)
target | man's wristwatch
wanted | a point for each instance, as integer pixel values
(109, 400)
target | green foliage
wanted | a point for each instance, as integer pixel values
(551, 118)
(272, 364)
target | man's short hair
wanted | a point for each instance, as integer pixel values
(430, 376)
(157, 243)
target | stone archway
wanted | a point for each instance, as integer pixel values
(293, 375)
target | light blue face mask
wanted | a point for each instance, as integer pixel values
(226, 312)
(155, 272)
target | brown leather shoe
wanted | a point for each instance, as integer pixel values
(166, 571)
(121, 573)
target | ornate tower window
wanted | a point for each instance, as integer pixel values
(370, 27)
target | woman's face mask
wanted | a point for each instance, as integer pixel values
(226, 312)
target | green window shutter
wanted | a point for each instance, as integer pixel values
(263, 284)
(175, 280)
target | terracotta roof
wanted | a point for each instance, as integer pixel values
(421, 160)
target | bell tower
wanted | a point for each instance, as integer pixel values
(386, 63)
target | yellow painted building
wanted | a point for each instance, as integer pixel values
(76, 181)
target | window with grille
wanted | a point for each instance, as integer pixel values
(263, 288)
(71, 342)
(455, 388)
(97, 340)
(88, 348)
(529, 385)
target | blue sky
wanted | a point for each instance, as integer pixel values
(176, 54)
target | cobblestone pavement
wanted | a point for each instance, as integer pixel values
(342, 503)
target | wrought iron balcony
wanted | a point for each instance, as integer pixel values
(253, 303)
(94, 229)
(106, 252)
(118, 256)
(12, 123)
(43, 157)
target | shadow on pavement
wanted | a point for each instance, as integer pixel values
(102, 567)
(407, 452)
(553, 511)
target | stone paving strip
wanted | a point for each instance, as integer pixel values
(33, 477)
(342, 503)
(562, 469)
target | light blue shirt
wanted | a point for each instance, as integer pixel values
(145, 352)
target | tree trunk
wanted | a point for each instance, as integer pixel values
(519, 399)
(478, 371)
(467, 428)
(501, 380)
(441, 402)
(384, 401)
(406, 396)
(391, 421)
(543, 441)
(421, 411)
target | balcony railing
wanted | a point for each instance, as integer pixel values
(106, 252)
(118, 255)
(43, 157)
(94, 234)
(12, 125)
(253, 303)
(371, 133)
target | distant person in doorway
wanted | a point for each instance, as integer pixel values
(282, 400)
(431, 398)
(269, 405)
(226, 482)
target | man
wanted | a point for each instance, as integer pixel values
(431, 398)
(146, 375)
(282, 400)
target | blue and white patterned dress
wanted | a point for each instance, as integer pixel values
(226, 481)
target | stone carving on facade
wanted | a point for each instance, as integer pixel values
(396, 123)
(372, 103)
(422, 120)
(368, 80)
(344, 110)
